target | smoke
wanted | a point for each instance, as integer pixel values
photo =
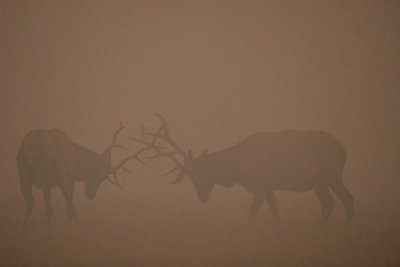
(218, 71)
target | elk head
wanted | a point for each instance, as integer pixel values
(199, 169)
(102, 169)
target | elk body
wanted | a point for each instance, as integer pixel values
(49, 159)
(296, 161)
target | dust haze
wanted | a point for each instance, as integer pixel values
(218, 71)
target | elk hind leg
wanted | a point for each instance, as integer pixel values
(326, 200)
(258, 199)
(346, 197)
(27, 193)
(47, 202)
(271, 200)
(26, 187)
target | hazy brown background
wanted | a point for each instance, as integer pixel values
(218, 71)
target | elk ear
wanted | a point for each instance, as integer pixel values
(190, 156)
(204, 153)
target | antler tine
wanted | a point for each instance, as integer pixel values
(142, 131)
(170, 171)
(164, 123)
(152, 145)
(120, 128)
(178, 178)
(116, 182)
(115, 137)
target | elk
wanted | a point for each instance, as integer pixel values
(296, 161)
(49, 159)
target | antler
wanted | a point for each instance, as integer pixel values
(163, 134)
(135, 156)
(121, 164)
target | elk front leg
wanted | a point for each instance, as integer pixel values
(47, 202)
(68, 191)
(258, 199)
(67, 186)
(69, 205)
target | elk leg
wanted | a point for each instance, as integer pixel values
(327, 201)
(271, 200)
(346, 197)
(27, 192)
(68, 193)
(258, 199)
(25, 186)
(47, 202)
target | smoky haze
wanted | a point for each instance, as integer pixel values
(218, 71)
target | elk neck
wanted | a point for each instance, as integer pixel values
(222, 168)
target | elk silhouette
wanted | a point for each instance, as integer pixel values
(263, 163)
(49, 158)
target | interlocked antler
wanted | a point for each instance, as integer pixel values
(163, 134)
(121, 164)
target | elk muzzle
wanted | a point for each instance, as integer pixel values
(91, 190)
(203, 191)
(90, 194)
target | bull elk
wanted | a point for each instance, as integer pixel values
(296, 161)
(49, 158)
